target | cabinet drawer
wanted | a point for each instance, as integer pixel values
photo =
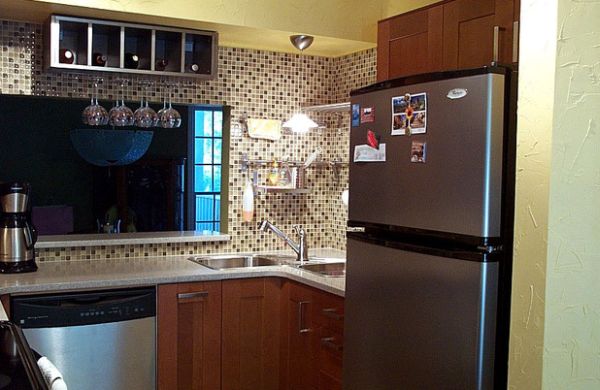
(330, 354)
(330, 312)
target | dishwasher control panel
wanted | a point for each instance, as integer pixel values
(83, 308)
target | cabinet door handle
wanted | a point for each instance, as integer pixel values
(192, 295)
(515, 53)
(329, 343)
(333, 314)
(301, 327)
(496, 52)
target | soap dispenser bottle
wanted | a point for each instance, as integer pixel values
(248, 202)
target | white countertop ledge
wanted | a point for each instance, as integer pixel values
(79, 240)
(132, 272)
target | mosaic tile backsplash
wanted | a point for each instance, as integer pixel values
(262, 84)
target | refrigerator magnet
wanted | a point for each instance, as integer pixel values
(418, 152)
(409, 114)
(355, 115)
(366, 153)
(372, 139)
(367, 115)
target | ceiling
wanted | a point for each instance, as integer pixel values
(340, 26)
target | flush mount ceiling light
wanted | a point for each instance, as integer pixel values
(300, 122)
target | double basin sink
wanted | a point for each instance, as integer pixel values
(317, 265)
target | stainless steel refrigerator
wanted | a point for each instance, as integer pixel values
(430, 232)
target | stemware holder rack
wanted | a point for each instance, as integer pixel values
(190, 53)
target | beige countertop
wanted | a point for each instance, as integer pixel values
(129, 272)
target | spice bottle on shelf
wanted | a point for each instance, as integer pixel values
(273, 175)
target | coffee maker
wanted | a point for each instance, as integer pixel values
(17, 234)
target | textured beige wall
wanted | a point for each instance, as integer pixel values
(345, 19)
(572, 326)
(396, 7)
(535, 112)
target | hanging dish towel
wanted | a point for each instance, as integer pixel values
(264, 128)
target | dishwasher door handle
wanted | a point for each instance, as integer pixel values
(192, 295)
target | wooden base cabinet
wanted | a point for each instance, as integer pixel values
(250, 334)
(312, 339)
(189, 336)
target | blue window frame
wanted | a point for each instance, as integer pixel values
(208, 155)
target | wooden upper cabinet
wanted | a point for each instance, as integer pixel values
(251, 334)
(449, 35)
(474, 30)
(189, 336)
(410, 44)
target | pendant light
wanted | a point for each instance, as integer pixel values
(300, 122)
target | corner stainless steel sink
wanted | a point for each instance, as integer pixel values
(328, 270)
(240, 261)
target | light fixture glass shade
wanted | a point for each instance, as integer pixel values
(300, 123)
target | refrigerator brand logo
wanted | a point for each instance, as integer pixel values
(457, 93)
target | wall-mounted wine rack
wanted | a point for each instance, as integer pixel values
(110, 46)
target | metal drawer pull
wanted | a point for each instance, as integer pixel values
(333, 314)
(199, 294)
(301, 326)
(496, 54)
(329, 343)
(515, 41)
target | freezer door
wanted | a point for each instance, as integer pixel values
(459, 186)
(416, 321)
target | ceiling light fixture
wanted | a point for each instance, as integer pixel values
(300, 122)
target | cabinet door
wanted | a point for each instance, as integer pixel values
(300, 339)
(410, 43)
(189, 336)
(251, 316)
(474, 29)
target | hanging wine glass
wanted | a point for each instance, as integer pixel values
(170, 117)
(94, 114)
(164, 107)
(145, 116)
(120, 115)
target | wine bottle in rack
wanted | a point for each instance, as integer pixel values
(98, 59)
(161, 64)
(132, 61)
(195, 67)
(66, 56)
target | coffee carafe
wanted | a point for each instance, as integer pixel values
(17, 234)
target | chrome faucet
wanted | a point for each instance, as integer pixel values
(300, 248)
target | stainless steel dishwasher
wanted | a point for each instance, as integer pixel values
(98, 340)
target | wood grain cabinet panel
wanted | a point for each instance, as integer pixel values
(250, 334)
(469, 37)
(410, 44)
(189, 336)
(449, 35)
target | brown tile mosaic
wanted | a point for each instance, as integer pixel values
(262, 84)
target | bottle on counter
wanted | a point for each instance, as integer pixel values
(248, 202)
(132, 61)
(161, 64)
(98, 59)
(66, 56)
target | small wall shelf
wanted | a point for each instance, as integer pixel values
(75, 43)
(253, 165)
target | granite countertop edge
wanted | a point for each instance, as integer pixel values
(137, 272)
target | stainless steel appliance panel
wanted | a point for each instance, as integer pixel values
(108, 356)
(458, 189)
(416, 321)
